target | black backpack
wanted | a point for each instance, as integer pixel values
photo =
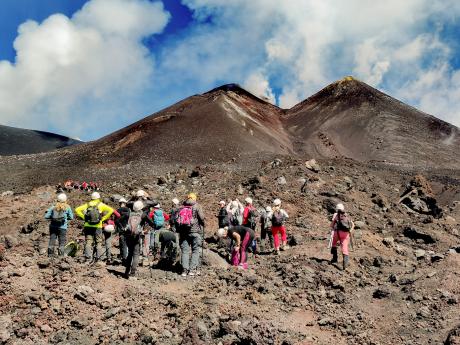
(252, 217)
(343, 222)
(277, 218)
(58, 218)
(92, 215)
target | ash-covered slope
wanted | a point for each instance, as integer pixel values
(16, 141)
(219, 125)
(351, 119)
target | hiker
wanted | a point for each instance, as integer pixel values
(190, 225)
(235, 211)
(94, 213)
(59, 215)
(134, 229)
(173, 214)
(166, 247)
(120, 225)
(222, 216)
(249, 215)
(342, 225)
(109, 228)
(84, 186)
(279, 217)
(266, 228)
(159, 219)
(242, 237)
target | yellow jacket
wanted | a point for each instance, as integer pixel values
(105, 210)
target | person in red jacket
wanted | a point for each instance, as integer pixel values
(160, 219)
(249, 219)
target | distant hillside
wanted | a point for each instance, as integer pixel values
(17, 141)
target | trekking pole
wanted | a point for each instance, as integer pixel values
(352, 241)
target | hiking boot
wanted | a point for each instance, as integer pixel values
(345, 262)
(334, 255)
(192, 273)
(276, 251)
(184, 273)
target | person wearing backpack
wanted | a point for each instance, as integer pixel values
(159, 219)
(166, 247)
(173, 214)
(59, 215)
(235, 211)
(94, 213)
(249, 215)
(341, 226)
(109, 228)
(120, 225)
(242, 237)
(134, 229)
(191, 223)
(279, 216)
(222, 216)
(266, 228)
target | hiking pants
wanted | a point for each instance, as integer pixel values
(133, 244)
(186, 241)
(281, 230)
(60, 235)
(123, 247)
(93, 242)
(344, 238)
(266, 232)
(108, 236)
(240, 257)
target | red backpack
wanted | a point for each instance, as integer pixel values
(185, 216)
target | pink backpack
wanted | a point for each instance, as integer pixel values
(185, 216)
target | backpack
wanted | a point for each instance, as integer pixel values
(278, 218)
(58, 218)
(252, 217)
(343, 222)
(92, 215)
(185, 217)
(134, 223)
(158, 219)
(235, 219)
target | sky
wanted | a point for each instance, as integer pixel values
(85, 68)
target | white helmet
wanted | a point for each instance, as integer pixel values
(95, 196)
(248, 200)
(222, 202)
(138, 205)
(157, 205)
(340, 208)
(175, 201)
(277, 202)
(268, 208)
(140, 193)
(222, 232)
(62, 197)
(122, 201)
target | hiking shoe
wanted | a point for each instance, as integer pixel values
(184, 274)
(277, 252)
(192, 273)
(286, 247)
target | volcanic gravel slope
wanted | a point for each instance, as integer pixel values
(17, 141)
(402, 286)
(351, 119)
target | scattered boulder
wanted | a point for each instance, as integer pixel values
(312, 165)
(420, 254)
(6, 194)
(418, 197)
(281, 180)
(10, 241)
(116, 198)
(84, 293)
(381, 292)
(31, 227)
(5, 328)
(359, 224)
(415, 234)
(453, 338)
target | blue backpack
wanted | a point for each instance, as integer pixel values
(158, 219)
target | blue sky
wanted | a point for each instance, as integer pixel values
(65, 63)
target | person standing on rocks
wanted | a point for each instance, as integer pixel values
(94, 213)
(266, 228)
(59, 215)
(341, 226)
(134, 229)
(249, 214)
(159, 219)
(242, 237)
(108, 228)
(279, 217)
(222, 216)
(173, 214)
(235, 211)
(121, 224)
(191, 223)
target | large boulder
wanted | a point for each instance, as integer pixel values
(418, 197)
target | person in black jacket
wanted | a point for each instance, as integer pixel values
(222, 216)
(121, 224)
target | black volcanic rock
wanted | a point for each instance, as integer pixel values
(16, 141)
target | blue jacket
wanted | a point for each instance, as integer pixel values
(68, 213)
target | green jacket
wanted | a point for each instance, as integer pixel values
(105, 210)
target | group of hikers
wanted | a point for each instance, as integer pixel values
(145, 230)
(70, 185)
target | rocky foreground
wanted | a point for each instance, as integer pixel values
(403, 285)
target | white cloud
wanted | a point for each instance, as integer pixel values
(66, 68)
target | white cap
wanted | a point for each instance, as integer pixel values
(175, 201)
(222, 202)
(62, 197)
(234, 203)
(138, 205)
(222, 232)
(277, 202)
(109, 228)
(157, 206)
(122, 201)
(140, 193)
(248, 200)
(268, 208)
(95, 196)
(340, 207)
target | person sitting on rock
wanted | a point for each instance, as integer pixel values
(279, 217)
(341, 226)
(94, 213)
(242, 237)
(59, 215)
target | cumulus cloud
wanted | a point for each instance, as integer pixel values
(67, 69)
